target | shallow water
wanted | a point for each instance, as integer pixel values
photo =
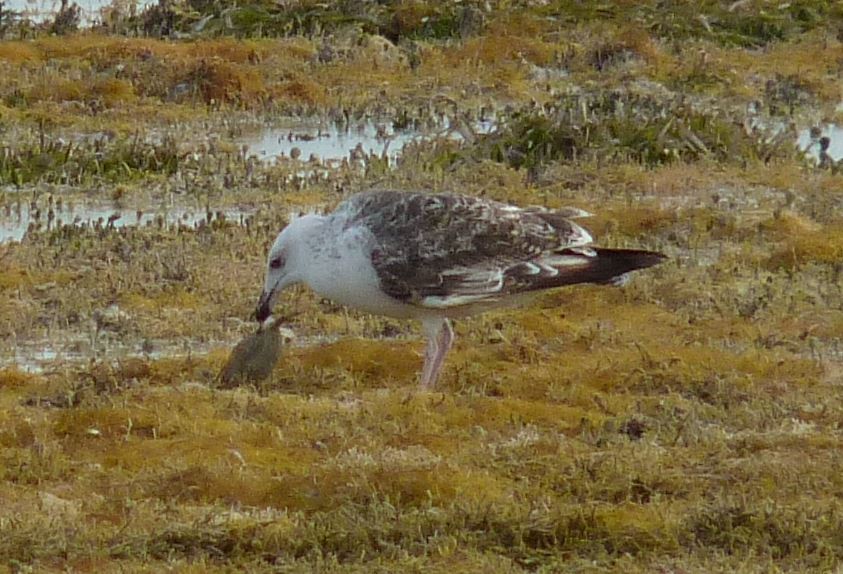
(74, 350)
(15, 219)
(833, 131)
(39, 11)
(330, 143)
(45, 355)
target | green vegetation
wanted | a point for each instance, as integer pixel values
(628, 127)
(689, 421)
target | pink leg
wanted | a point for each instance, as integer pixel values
(440, 337)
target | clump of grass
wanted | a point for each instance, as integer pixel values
(14, 277)
(19, 52)
(13, 378)
(219, 81)
(424, 20)
(523, 42)
(173, 298)
(107, 92)
(628, 43)
(106, 423)
(67, 18)
(301, 90)
(50, 159)
(113, 92)
(637, 221)
(789, 532)
(819, 246)
(787, 224)
(21, 278)
(749, 24)
(624, 126)
(786, 94)
(368, 360)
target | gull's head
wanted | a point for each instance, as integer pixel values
(284, 262)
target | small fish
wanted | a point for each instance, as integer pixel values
(254, 358)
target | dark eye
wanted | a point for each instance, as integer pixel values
(277, 262)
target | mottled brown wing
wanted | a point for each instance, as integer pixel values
(449, 250)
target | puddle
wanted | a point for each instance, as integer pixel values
(810, 143)
(39, 11)
(331, 144)
(16, 218)
(42, 356)
(74, 350)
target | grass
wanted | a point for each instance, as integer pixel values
(687, 422)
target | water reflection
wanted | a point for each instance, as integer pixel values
(16, 218)
(810, 141)
(330, 144)
(39, 11)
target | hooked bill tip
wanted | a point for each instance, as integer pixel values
(262, 312)
(264, 308)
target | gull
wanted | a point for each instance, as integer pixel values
(435, 257)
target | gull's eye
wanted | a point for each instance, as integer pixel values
(277, 262)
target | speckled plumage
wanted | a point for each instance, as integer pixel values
(450, 250)
(436, 256)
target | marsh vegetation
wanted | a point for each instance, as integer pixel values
(689, 422)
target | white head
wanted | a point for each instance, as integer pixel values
(286, 260)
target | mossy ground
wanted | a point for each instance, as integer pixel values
(688, 422)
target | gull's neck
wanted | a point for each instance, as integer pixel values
(333, 259)
(306, 242)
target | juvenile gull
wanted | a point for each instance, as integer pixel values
(435, 257)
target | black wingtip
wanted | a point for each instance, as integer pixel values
(614, 264)
(634, 258)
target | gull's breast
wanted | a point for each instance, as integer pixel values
(343, 272)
